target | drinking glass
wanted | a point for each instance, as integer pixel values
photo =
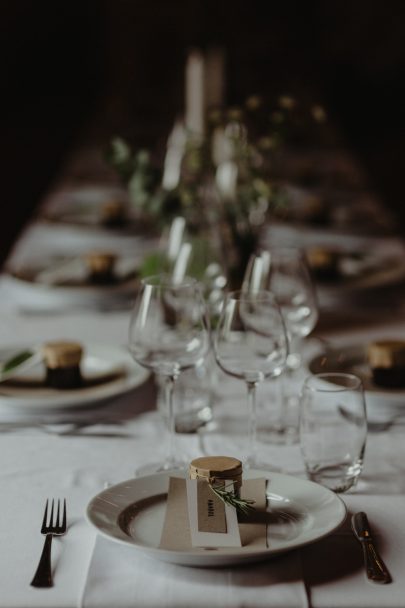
(194, 396)
(284, 272)
(168, 333)
(250, 343)
(333, 429)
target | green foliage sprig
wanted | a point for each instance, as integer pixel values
(139, 174)
(15, 361)
(242, 505)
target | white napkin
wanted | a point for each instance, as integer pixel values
(123, 577)
(34, 468)
(25, 488)
(334, 569)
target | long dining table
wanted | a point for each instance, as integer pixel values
(79, 454)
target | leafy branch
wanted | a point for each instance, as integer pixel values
(139, 174)
(15, 361)
(242, 505)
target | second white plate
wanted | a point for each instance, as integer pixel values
(133, 513)
(382, 403)
(109, 371)
(63, 282)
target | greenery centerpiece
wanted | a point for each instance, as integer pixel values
(225, 184)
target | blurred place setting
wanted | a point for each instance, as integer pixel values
(202, 305)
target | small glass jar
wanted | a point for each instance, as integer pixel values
(387, 362)
(62, 361)
(100, 267)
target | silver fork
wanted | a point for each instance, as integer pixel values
(43, 575)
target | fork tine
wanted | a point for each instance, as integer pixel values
(64, 515)
(57, 514)
(51, 515)
(45, 516)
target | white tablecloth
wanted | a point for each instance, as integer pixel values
(36, 465)
(37, 462)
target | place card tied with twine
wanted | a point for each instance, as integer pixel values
(213, 508)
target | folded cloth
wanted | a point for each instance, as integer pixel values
(334, 570)
(26, 485)
(123, 577)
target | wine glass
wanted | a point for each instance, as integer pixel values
(250, 343)
(285, 273)
(168, 333)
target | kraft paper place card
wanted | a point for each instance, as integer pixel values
(212, 523)
(176, 533)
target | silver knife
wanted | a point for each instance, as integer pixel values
(375, 567)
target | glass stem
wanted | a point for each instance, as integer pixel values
(294, 354)
(169, 403)
(282, 401)
(251, 387)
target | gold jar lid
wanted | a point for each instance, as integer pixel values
(386, 353)
(61, 354)
(113, 209)
(314, 205)
(216, 467)
(100, 261)
(321, 257)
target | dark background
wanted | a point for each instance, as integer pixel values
(72, 71)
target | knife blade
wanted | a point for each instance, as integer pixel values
(375, 567)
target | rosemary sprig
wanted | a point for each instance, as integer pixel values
(15, 361)
(230, 498)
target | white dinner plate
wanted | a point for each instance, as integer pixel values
(82, 207)
(108, 371)
(362, 273)
(366, 263)
(382, 403)
(133, 512)
(361, 270)
(63, 281)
